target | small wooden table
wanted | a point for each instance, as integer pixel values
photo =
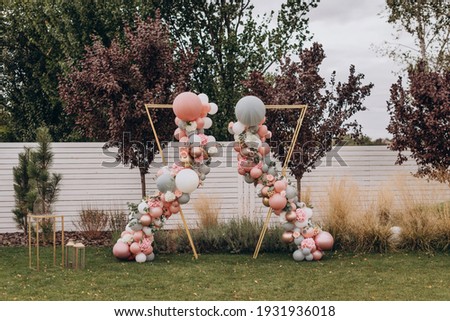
(37, 219)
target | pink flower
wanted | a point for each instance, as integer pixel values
(270, 178)
(153, 203)
(296, 234)
(301, 215)
(176, 169)
(178, 193)
(259, 165)
(308, 243)
(146, 244)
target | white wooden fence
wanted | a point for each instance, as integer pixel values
(92, 178)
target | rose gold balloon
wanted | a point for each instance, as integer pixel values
(135, 248)
(156, 212)
(317, 255)
(277, 202)
(324, 241)
(291, 216)
(264, 149)
(265, 201)
(255, 172)
(137, 236)
(200, 123)
(187, 106)
(308, 233)
(146, 220)
(279, 186)
(265, 191)
(287, 237)
(262, 131)
(121, 250)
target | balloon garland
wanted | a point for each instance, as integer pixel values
(174, 183)
(277, 192)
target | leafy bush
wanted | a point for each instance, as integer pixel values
(92, 222)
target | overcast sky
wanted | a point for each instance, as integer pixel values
(348, 29)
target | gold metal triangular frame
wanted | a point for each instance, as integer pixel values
(288, 157)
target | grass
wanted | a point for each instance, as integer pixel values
(400, 276)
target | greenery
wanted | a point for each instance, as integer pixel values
(406, 276)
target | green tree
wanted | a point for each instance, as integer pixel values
(24, 193)
(428, 22)
(231, 42)
(45, 183)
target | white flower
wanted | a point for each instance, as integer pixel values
(169, 196)
(190, 127)
(213, 150)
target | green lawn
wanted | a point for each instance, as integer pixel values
(413, 276)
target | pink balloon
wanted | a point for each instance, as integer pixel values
(324, 241)
(135, 248)
(148, 250)
(206, 108)
(237, 147)
(262, 131)
(177, 121)
(200, 123)
(124, 233)
(269, 135)
(146, 220)
(137, 236)
(264, 149)
(156, 212)
(241, 171)
(317, 255)
(308, 233)
(279, 186)
(277, 202)
(187, 106)
(255, 172)
(121, 250)
(293, 206)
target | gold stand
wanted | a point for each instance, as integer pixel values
(38, 219)
(155, 106)
(285, 165)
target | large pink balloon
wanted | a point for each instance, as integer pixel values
(187, 106)
(277, 202)
(121, 250)
(324, 241)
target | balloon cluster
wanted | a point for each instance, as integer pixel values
(174, 183)
(277, 192)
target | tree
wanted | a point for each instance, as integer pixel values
(427, 21)
(420, 121)
(231, 42)
(24, 193)
(329, 108)
(45, 183)
(41, 40)
(106, 93)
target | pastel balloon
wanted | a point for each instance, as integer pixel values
(238, 128)
(291, 216)
(317, 255)
(174, 209)
(203, 98)
(135, 248)
(200, 123)
(277, 202)
(255, 172)
(187, 180)
(308, 211)
(141, 258)
(214, 109)
(308, 233)
(287, 237)
(195, 139)
(265, 201)
(137, 236)
(279, 186)
(184, 198)
(156, 212)
(309, 257)
(121, 250)
(250, 110)
(291, 192)
(207, 123)
(146, 220)
(298, 255)
(264, 149)
(262, 131)
(298, 240)
(324, 241)
(150, 257)
(142, 207)
(187, 106)
(165, 183)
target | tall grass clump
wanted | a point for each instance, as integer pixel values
(207, 209)
(117, 222)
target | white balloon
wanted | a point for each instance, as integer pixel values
(141, 258)
(301, 224)
(203, 97)
(250, 110)
(238, 128)
(208, 123)
(308, 212)
(195, 139)
(147, 230)
(298, 255)
(214, 109)
(211, 139)
(187, 180)
(142, 207)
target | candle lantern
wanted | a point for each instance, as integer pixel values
(70, 254)
(80, 256)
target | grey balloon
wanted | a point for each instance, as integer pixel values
(299, 240)
(309, 257)
(202, 176)
(248, 179)
(306, 251)
(288, 226)
(165, 183)
(182, 124)
(298, 255)
(272, 171)
(253, 129)
(267, 160)
(291, 192)
(204, 169)
(250, 110)
(265, 168)
(184, 198)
